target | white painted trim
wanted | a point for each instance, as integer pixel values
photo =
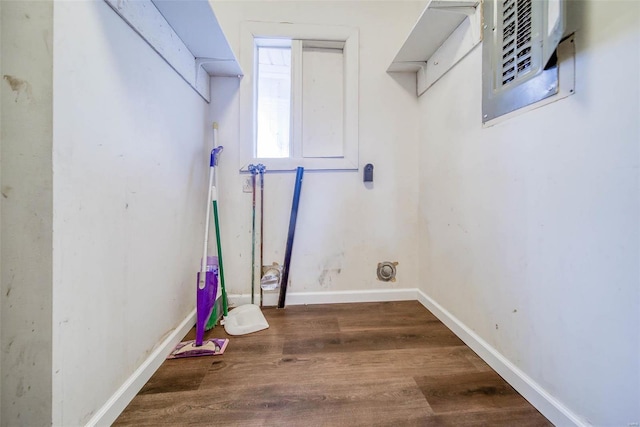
(335, 297)
(121, 398)
(549, 406)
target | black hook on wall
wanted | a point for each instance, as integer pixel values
(368, 173)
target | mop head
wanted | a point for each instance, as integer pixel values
(210, 347)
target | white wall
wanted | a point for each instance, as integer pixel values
(344, 228)
(528, 237)
(130, 157)
(25, 290)
(529, 229)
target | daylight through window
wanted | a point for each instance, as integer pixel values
(273, 101)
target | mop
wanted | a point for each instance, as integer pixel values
(270, 279)
(207, 288)
(214, 317)
(254, 171)
(261, 170)
(248, 318)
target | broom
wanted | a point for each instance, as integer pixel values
(213, 320)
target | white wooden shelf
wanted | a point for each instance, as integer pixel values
(186, 34)
(197, 26)
(445, 33)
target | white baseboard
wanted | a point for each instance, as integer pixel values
(121, 398)
(335, 297)
(550, 407)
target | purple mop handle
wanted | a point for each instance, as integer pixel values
(213, 162)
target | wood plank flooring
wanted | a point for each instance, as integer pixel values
(370, 364)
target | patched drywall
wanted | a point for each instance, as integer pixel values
(26, 213)
(529, 229)
(344, 227)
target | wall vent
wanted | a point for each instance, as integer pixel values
(520, 38)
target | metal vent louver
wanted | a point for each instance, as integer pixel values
(519, 40)
(516, 39)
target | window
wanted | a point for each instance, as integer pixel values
(299, 102)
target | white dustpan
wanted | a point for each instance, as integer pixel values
(245, 320)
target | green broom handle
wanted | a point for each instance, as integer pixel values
(225, 305)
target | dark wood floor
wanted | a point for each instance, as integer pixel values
(366, 364)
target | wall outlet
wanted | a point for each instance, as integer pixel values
(247, 185)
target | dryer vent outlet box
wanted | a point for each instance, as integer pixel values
(386, 271)
(518, 53)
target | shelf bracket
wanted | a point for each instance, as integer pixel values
(431, 60)
(466, 7)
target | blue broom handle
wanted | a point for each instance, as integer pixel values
(292, 230)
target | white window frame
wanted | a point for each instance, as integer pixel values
(252, 30)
